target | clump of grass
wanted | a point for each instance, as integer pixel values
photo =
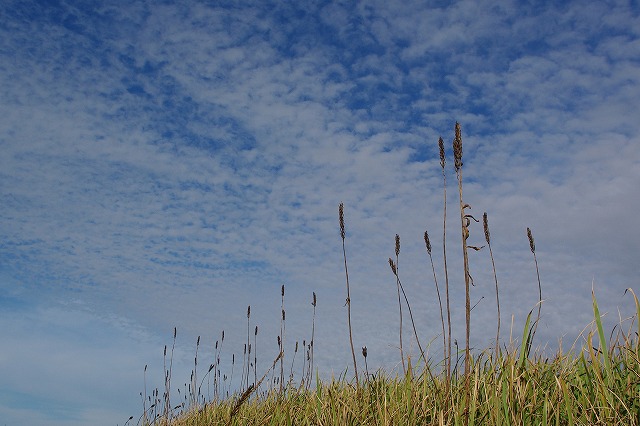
(247, 393)
(592, 384)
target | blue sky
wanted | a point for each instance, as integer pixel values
(167, 164)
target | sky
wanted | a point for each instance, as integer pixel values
(168, 164)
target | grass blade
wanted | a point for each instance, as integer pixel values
(601, 337)
(525, 345)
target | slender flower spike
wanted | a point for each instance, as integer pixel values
(427, 242)
(441, 146)
(393, 266)
(364, 351)
(485, 222)
(457, 147)
(341, 215)
(397, 245)
(532, 244)
(314, 299)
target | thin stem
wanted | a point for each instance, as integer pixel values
(281, 341)
(195, 396)
(444, 254)
(293, 361)
(487, 236)
(366, 367)
(313, 329)
(255, 356)
(464, 222)
(348, 301)
(404, 369)
(248, 345)
(168, 376)
(395, 272)
(435, 279)
(532, 246)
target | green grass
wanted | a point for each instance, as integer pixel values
(595, 382)
(586, 386)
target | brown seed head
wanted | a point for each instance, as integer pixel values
(427, 242)
(256, 332)
(282, 290)
(397, 244)
(283, 315)
(485, 222)
(441, 146)
(364, 351)
(314, 299)
(393, 266)
(248, 311)
(532, 244)
(341, 215)
(457, 147)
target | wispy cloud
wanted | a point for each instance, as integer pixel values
(169, 164)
